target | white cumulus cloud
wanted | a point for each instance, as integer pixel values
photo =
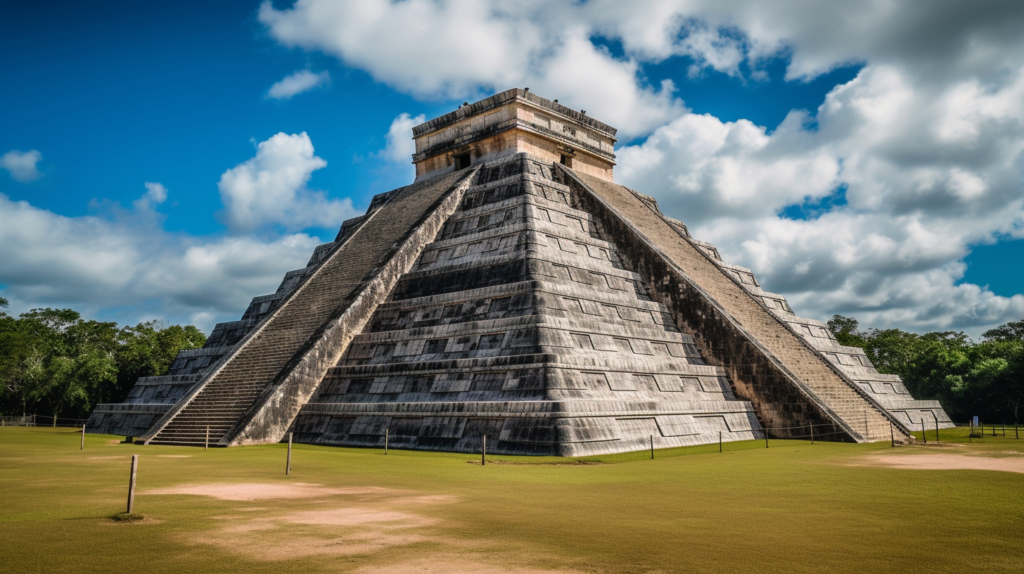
(899, 172)
(22, 165)
(270, 189)
(918, 195)
(296, 83)
(95, 264)
(400, 146)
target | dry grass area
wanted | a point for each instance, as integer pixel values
(795, 507)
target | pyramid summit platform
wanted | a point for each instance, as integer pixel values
(514, 290)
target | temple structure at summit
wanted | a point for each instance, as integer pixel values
(514, 290)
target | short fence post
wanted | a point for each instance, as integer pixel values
(206, 443)
(934, 416)
(83, 439)
(765, 437)
(652, 447)
(1016, 433)
(719, 441)
(892, 435)
(924, 434)
(387, 435)
(131, 483)
(288, 464)
(483, 451)
(812, 433)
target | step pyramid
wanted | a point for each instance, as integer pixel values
(514, 291)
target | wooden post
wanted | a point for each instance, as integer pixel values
(892, 435)
(765, 437)
(288, 465)
(719, 441)
(206, 445)
(387, 433)
(812, 432)
(924, 433)
(483, 451)
(131, 484)
(82, 447)
(652, 447)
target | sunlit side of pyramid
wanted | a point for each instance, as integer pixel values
(515, 291)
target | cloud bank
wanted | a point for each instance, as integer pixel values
(866, 205)
(122, 264)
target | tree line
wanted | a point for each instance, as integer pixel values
(984, 379)
(54, 363)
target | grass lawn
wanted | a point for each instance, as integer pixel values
(794, 507)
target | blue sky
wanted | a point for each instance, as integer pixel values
(827, 206)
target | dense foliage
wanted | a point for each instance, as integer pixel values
(984, 379)
(54, 363)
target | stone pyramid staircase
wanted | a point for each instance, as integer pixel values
(766, 359)
(254, 392)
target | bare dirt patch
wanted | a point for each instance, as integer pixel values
(264, 491)
(356, 516)
(944, 462)
(448, 564)
(347, 521)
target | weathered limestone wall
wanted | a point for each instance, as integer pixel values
(542, 128)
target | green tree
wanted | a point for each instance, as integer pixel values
(77, 360)
(1013, 331)
(846, 331)
(53, 361)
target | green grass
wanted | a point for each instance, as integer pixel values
(794, 507)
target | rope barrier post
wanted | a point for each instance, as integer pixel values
(892, 435)
(82, 447)
(483, 452)
(131, 483)
(288, 463)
